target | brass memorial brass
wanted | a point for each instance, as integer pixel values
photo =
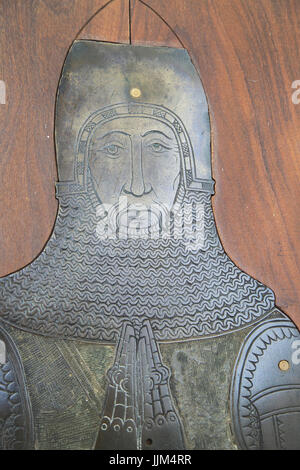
(133, 329)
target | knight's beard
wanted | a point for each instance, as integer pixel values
(125, 220)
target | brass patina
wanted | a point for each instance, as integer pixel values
(133, 329)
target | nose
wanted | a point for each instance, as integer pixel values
(136, 184)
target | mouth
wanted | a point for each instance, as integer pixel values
(137, 220)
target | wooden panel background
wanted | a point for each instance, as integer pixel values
(247, 53)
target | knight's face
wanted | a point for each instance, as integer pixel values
(136, 158)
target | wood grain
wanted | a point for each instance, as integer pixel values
(147, 28)
(111, 23)
(247, 54)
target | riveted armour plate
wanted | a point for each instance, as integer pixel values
(265, 400)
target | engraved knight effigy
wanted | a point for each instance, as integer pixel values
(133, 329)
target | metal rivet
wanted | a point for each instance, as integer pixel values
(135, 92)
(284, 365)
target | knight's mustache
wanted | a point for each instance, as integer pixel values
(146, 199)
(137, 209)
(146, 216)
(134, 216)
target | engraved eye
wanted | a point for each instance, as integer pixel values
(157, 147)
(112, 150)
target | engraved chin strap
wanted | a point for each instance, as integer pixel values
(138, 411)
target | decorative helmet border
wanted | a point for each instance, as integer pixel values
(109, 113)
